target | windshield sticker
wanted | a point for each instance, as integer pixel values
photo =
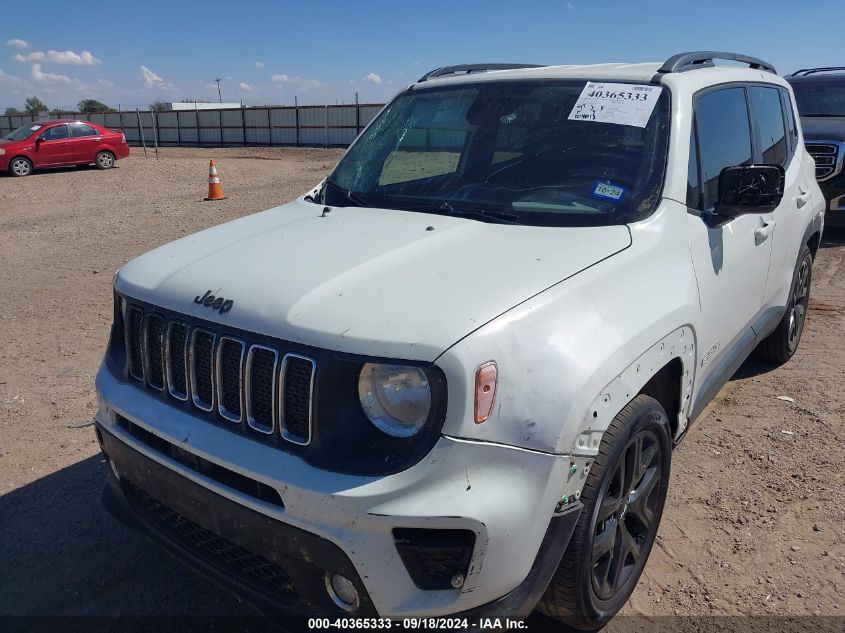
(35, 127)
(622, 104)
(608, 191)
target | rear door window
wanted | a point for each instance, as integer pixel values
(768, 125)
(80, 129)
(724, 137)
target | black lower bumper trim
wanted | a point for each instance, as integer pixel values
(186, 518)
(520, 602)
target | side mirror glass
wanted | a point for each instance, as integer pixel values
(749, 189)
(39, 139)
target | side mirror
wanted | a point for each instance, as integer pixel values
(39, 139)
(749, 189)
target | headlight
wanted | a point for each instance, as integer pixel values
(396, 398)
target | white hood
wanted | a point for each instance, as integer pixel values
(367, 281)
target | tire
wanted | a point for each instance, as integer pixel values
(104, 160)
(582, 592)
(20, 166)
(781, 345)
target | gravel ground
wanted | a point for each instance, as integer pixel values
(754, 524)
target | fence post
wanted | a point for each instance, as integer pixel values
(296, 120)
(243, 124)
(326, 123)
(141, 131)
(269, 128)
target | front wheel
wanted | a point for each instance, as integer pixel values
(105, 160)
(20, 166)
(623, 501)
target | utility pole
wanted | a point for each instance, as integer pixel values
(219, 94)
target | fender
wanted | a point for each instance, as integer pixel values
(680, 344)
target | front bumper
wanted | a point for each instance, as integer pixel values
(343, 523)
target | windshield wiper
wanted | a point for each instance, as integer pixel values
(500, 217)
(349, 195)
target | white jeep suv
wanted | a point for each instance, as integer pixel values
(448, 380)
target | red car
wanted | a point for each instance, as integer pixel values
(60, 143)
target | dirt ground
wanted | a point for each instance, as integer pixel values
(754, 524)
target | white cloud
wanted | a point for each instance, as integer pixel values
(569, 5)
(285, 79)
(372, 78)
(30, 57)
(16, 42)
(259, 64)
(152, 80)
(6, 78)
(85, 58)
(245, 86)
(105, 83)
(48, 78)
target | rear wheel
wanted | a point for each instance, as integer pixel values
(20, 166)
(623, 501)
(781, 344)
(105, 160)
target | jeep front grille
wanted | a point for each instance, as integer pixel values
(828, 157)
(248, 384)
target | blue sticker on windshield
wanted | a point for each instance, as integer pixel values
(608, 191)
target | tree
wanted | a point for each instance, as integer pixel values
(159, 106)
(92, 105)
(34, 105)
(12, 111)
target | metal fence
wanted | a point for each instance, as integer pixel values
(299, 126)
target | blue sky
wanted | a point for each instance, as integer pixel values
(266, 52)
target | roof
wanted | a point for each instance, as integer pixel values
(678, 67)
(52, 121)
(630, 72)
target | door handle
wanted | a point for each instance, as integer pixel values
(762, 232)
(802, 198)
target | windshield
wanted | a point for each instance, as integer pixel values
(23, 132)
(820, 100)
(506, 151)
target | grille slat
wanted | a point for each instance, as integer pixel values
(230, 378)
(827, 157)
(202, 369)
(177, 365)
(261, 385)
(238, 381)
(135, 342)
(297, 384)
(154, 342)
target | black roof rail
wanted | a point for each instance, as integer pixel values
(683, 62)
(472, 68)
(812, 71)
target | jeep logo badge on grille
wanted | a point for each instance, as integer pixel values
(215, 303)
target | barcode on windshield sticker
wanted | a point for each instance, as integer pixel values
(608, 191)
(621, 104)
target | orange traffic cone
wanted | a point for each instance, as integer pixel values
(215, 189)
